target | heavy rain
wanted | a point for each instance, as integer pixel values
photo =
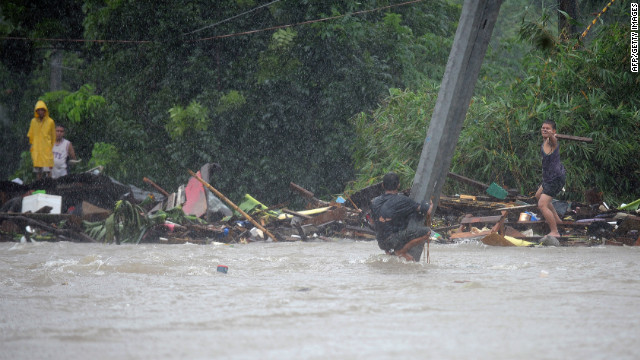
(312, 179)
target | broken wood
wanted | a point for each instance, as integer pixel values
(495, 239)
(499, 226)
(66, 233)
(150, 182)
(468, 181)
(469, 234)
(338, 214)
(352, 203)
(307, 194)
(234, 206)
(481, 219)
(574, 138)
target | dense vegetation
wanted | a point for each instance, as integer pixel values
(298, 103)
(271, 107)
(585, 86)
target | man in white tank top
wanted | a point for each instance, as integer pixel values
(62, 150)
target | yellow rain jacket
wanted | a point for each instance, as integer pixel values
(42, 137)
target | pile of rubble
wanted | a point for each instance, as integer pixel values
(91, 207)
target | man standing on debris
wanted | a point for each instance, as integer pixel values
(62, 151)
(553, 176)
(391, 212)
(42, 135)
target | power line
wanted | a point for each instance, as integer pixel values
(76, 40)
(231, 18)
(306, 22)
(219, 36)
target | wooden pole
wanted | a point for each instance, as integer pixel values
(150, 182)
(463, 66)
(234, 206)
(574, 138)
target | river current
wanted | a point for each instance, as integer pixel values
(342, 299)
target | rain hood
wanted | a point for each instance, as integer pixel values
(42, 137)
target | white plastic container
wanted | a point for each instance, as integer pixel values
(36, 202)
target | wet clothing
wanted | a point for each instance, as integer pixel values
(391, 213)
(60, 157)
(553, 172)
(553, 187)
(42, 137)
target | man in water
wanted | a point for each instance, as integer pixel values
(392, 212)
(553, 176)
(42, 135)
(62, 151)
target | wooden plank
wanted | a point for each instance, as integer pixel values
(574, 138)
(306, 194)
(468, 234)
(468, 181)
(327, 216)
(481, 219)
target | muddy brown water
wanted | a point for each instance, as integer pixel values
(317, 300)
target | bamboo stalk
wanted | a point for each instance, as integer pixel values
(234, 206)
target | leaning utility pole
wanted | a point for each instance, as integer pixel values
(469, 46)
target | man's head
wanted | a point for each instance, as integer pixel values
(550, 122)
(548, 128)
(59, 132)
(41, 112)
(390, 181)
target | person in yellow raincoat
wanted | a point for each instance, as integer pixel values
(42, 137)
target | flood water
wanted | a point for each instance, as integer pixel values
(317, 300)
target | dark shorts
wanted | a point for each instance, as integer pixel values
(553, 187)
(397, 240)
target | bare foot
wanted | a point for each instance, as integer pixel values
(555, 235)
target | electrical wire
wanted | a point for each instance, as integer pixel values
(219, 36)
(231, 18)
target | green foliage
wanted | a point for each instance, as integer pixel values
(233, 100)
(194, 116)
(105, 155)
(587, 90)
(25, 170)
(391, 137)
(127, 224)
(81, 105)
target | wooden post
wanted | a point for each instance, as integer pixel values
(156, 186)
(574, 138)
(465, 59)
(234, 206)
